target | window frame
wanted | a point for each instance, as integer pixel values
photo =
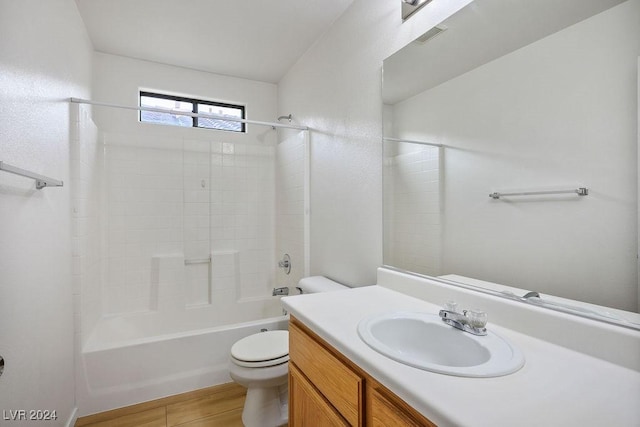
(194, 109)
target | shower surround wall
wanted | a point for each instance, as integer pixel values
(292, 200)
(144, 188)
(171, 202)
(87, 220)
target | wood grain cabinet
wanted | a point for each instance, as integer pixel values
(327, 389)
(309, 407)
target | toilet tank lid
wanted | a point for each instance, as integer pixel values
(316, 284)
(261, 346)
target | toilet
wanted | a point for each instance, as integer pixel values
(260, 362)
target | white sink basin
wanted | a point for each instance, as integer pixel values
(424, 341)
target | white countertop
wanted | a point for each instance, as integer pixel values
(557, 386)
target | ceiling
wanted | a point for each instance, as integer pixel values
(258, 40)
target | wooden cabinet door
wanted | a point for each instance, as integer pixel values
(342, 387)
(307, 407)
(384, 410)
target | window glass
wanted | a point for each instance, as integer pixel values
(220, 110)
(165, 118)
(189, 105)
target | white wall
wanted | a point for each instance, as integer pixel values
(556, 113)
(45, 58)
(118, 80)
(335, 88)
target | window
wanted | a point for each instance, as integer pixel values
(189, 105)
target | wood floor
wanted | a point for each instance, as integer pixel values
(211, 407)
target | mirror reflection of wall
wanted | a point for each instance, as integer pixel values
(558, 113)
(412, 207)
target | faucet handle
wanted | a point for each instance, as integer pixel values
(451, 306)
(477, 319)
(285, 263)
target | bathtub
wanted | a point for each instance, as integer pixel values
(135, 358)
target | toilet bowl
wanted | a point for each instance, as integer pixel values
(260, 362)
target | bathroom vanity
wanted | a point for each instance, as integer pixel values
(326, 388)
(567, 379)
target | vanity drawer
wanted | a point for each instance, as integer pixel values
(340, 385)
(384, 409)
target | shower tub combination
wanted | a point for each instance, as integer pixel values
(140, 357)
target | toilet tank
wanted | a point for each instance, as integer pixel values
(316, 284)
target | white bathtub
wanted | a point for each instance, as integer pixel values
(135, 358)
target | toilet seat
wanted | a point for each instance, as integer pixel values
(261, 364)
(261, 350)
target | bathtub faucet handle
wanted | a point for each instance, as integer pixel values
(285, 263)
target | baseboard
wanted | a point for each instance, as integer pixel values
(72, 418)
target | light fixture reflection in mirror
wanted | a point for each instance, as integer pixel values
(522, 98)
(409, 7)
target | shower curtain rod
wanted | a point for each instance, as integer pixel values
(183, 113)
(431, 144)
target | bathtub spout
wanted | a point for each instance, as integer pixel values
(280, 291)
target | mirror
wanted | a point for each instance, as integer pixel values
(539, 99)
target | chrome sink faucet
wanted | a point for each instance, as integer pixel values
(472, 321)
